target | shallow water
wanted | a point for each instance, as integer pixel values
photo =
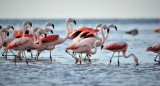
(99, 72)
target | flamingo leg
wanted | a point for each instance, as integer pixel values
(111, 58)
(156, 57)
(25, 57)
(85, 57)
(80, 56)
(159, 58)
(12, 52)
(118, 58)
(31, 54)
(50, 56)
(73, 56)
(16, 57)
(89, 57)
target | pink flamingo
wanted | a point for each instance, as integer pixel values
(80, 47)
(118, 46)
(55, 39)
(1, 32)
(155, 48)
(8, 40)
(157, 29)
(74, 33)
(25, 43)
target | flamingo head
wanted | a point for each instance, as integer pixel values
(47, 30)
(113, 26)
(27, 23)
(71, 20)
(98, 25)
(102, 47)
(49, 24)
(9, 26)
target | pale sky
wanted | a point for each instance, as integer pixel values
(79, 9)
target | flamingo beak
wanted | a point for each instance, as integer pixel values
(53, 25)
(74, 22)
(7, 33)
(12, 27)
(52, 31)
(45, 35)
(27, 32)
(30, 24)
(0, 27)
(116, 28)
(101, 47)
(108, 30)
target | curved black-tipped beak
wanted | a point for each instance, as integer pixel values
(74, 22)
(101, 47)
(12, 27)
(0, 27)
(116, 28)
(7, 33)
(52, 31)
(30, 24)
(53, 25)
(45, 35)
(108, 30)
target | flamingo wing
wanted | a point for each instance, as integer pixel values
(17, 42)
(115, 46)
(49, 38)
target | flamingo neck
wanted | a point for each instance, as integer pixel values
(95, 49)
(103, 38)
(66, 37)
(23, 27)
(37, 45)
(106, 34)
(1, 38)
(134, 57)
(34, 37)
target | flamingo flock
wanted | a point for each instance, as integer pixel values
(85, 40)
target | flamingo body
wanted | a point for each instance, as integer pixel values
(116, 46)
(49, 38)
(157, 29)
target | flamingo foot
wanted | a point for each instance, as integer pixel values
(118, 63)
(89, 60)
(76, 61)
(110, 61)
(27, 61)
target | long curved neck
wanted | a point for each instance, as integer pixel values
(103, 38)
(37, 45)
(134, 57)
(34, 36)
(64, 39)
(23, 27)
(95, 49)
(106, 34)
(1, 37)
(4, 35)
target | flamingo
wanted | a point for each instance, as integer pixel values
(25, 43)
(74, 33)
(8, 40)
(157, 29)
(156, 49)
(1, 32)
(55, 39)
(80, 47)
(118, 46)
